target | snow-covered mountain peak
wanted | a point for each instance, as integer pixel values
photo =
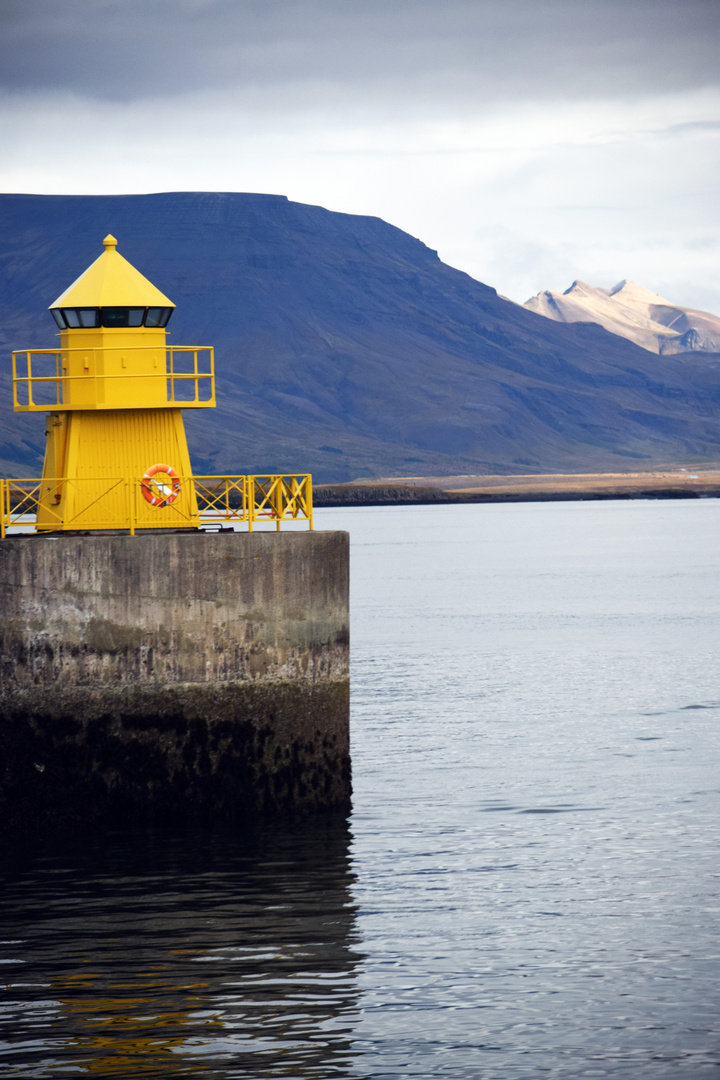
(632, 311)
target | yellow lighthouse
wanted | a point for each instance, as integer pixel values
(116, 450)
(116, 455)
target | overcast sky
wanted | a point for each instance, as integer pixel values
(531, 142)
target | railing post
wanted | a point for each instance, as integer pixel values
(2, 504)
(64, 386)
(308, 500)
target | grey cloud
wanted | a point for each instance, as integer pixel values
(450, 51)
(694, 127)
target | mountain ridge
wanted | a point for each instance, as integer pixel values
(346, 348)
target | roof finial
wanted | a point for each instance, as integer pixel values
(110, 242)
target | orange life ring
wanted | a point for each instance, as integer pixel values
(159, 494)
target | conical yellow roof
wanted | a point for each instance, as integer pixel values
(112, 281)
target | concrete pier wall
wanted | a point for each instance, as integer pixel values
(196, 676)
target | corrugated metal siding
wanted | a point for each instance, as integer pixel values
(105, 446)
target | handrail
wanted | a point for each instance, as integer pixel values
(61, 504)
(62, 378)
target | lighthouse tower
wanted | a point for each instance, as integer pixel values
(116, 453)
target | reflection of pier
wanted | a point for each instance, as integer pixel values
(157, 952)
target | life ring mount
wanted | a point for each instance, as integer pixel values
(157, 490)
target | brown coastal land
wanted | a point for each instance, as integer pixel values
(689, 482)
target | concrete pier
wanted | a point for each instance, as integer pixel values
(173, 676)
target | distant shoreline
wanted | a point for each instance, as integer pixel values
(569, 487)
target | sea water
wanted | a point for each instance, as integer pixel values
(527, 885)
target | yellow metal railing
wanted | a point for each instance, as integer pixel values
(118, 503)
(57, 384)
(265, 497)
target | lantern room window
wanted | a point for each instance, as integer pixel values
(91, 318)
(119, 316)
(158, 316)
(76, 318)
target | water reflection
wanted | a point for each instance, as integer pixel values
(155, 953)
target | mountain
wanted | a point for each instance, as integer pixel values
(632, 312)
(347, 348)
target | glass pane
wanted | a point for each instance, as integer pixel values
(115, 316)
(71, 317)
(135, 316)
(158, 316)
(89, 317)
(58, 317)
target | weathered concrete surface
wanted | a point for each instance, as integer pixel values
(195, 675)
